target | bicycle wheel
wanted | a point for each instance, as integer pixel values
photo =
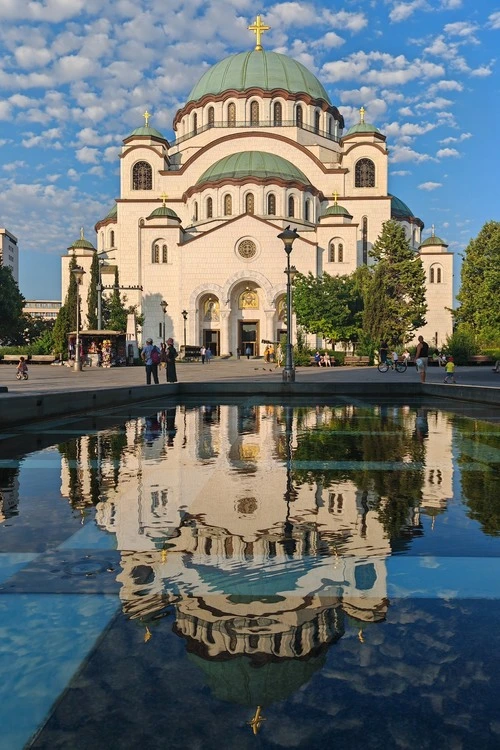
(401, 366)
(382, 367)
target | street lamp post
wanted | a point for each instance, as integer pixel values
(288, 236)
(78, 272)
(184, 314)
(164, 306)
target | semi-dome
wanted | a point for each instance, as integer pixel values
(258, 164)
(362, 126)
(112, 214)
(81, 243)
(163, 212)
(258, 69)
(337, 210)
(148, 132)
(399, 210)
(434, 240)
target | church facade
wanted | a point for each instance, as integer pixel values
(259, 146)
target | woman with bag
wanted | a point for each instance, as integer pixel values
(171, 357)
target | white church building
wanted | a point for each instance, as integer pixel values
(259, 146)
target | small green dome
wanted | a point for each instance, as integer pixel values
(81, 244)
(433, 240)
(399, 210)
(258, 69)
(337, 211)
(163, 212)
(112, 214)
(362, 127)
(257, 164)
(147, 131)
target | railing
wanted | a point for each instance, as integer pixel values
(249, 124)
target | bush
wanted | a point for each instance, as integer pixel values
(462, 345)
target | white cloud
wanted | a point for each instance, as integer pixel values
(44, 139)
(445, 86)
(30, 57)
(459, 139)
(399, 154)
(357, 96)
(73, 174)
(5, 110)
(392, 70)
(439, 103)
(406, 112)
(13, 165)
(403, 11)
(331, 40)
(401, 172)
(494, 20)
(430, 185)
(445, 153)
(342, 19)
(482, 71)
(87, 155)
(51, 11)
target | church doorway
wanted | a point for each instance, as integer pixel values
(249, 336)
(211, 341)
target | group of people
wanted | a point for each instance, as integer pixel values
(322, 360)
(421, 359)
(205, 354)
(163, 356)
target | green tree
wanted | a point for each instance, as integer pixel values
(92, 293)
(72, 296)
(117, 311)
(395, 301)
(11, 306)
(329, 305)
(60, 333)
(479, 294)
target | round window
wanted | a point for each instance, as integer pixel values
(247, 249)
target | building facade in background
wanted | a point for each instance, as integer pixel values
(46, 309)
(259, 146)
(9, 252)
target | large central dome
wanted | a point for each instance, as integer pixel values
(258, 69)
(258, 164)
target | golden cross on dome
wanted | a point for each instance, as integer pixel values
(335, 197)
(146, 116)
(258, 29)
(164, 197)
(362, 114)
(256, 720)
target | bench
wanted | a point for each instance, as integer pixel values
(190, 352)
(480, 359)
(354, 360)
(41, 359)
(333, 362)
(13, 358)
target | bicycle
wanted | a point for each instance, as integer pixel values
(400, 366)
(22, 376)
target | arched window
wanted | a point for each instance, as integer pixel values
(431, 275)
(438, 275)
(231, 115)
(254, 113)
(340, 253)
(155, 255)
(271, 204)
(164, 254)
(249, 203)
(195, 123)
(331, 253)
(307, 210)
(210, 208)
(435, 274)
(299, 116)
(196, 211)
(291, 206)
(277, 114)
(142, 176)
(364, 173)
(211, 117)
(316, 122)
(112, 239)
(228, 205)
(364, 239)
(330, 126)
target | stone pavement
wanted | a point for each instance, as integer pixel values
(46, 378)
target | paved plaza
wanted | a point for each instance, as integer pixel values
(47, 378)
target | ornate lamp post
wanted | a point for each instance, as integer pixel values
(184, 314)
(288, 236)
(164, 306)
(78, 272)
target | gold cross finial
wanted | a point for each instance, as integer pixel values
(258, 29)
(146, 116)
(164, 197)
(256, 720)
(362, 114)
(82, 235)
(335, 197)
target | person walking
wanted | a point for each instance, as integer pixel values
(163, 355)
(171, 356)
(383, 351)
(422, 358)
(449, 370)
(203, 354)
(208, 355)
(248, 351)
(151, 357)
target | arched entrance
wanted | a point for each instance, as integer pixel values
(209, 312)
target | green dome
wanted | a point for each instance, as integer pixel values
(147, 131)
(258, 69)
(399, 210)
(362, 127)
(337, 211)
(81, 244)
(257, 164)
(112, 214)
(433, 240)
(163, 211)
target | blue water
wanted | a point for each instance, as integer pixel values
(251, 575)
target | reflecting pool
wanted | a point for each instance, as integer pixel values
(252, 575)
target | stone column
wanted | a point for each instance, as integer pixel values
(224, 333)
(270, 334)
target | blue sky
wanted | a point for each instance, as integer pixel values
(76, 76)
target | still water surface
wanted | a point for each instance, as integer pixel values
(251, 576)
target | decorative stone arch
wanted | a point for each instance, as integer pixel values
(436, 273)
(248, 275)
(208, 288)
(278, 291)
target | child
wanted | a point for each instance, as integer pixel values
(22, 367)
(395, 358)
(449, 369)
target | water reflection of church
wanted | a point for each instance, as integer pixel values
(264, 567)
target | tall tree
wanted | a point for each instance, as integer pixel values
(60, 332)
(66, 318)
(329, 305)
(395, 301)
(479, 294)
(72, 296)
(11, 305)
(117, 311)
(92, 293)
